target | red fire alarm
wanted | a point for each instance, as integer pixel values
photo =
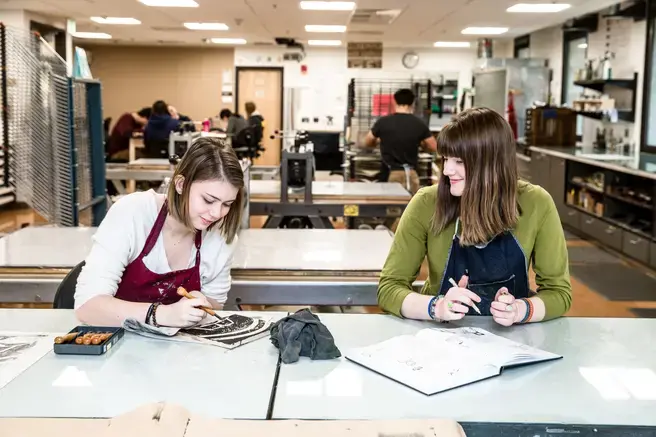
(303, 69)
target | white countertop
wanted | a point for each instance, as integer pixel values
(312, 249)
(46, 246)
(273, 249)
(208, 380)
(607, 376)
(334, 188)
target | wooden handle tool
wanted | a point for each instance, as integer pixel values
(210, 311)
(66, 338)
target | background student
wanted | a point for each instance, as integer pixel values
(118, 143)
(401, 134)
(150, 244)
(480, 227)
(163, 120)
(255, 121)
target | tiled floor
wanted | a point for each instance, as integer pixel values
(590, 290)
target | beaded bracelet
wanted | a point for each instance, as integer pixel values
(155, 305)
(149, 313)
(529, 311)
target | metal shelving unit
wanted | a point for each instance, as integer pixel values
(52, 134)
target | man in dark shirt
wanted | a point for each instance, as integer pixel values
(400, 135)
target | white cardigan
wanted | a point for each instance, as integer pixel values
(121, 237)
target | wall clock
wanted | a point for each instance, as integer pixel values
(410, 60)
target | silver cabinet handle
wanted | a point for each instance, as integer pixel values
(635, 241)
(589, 221)
(571, 213)
(610, 230)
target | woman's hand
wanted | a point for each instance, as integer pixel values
(183, 313)
(456, 302)
(505, 308)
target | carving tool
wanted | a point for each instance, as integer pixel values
(66, 338)
(473, 304)
(210, 311)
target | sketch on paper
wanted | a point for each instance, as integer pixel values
(19, 351)
(228, 332)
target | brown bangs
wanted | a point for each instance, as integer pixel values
(484, 141)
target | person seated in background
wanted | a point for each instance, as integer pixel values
(118, 143)
(163, 120)
(256, 121)
(233, 121)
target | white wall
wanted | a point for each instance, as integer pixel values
(17, 19)
(323, 90)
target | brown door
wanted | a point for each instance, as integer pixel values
(264, 88)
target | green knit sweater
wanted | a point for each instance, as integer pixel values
(538, 231)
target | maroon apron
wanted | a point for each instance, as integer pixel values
(139, 284)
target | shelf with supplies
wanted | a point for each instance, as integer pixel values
(622, 115)
(600, 85)
(615, 208)
(601, 198)
(615, 101)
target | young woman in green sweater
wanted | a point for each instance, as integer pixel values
(480, 227)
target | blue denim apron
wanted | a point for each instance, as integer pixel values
(498, 263)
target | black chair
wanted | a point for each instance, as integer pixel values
(65, 295)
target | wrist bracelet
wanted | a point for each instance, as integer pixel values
(149, 314)
(431, 307)
(155, 306)
(529, 311)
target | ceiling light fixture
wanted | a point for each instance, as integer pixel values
(170, 3)
(484, 30)
(227, 40)
(91, 35)
(324, 42)
(583, 45)
(327, 6)
(452, 44)
(325, 28)
(545, 8)
(115, 20)
(206, 26)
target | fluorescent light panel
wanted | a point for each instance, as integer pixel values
(115, 20)
(544, 8)
(484, 30)
(325, 28)
(227, 40)
(92, 35)
(170, 3)
(324, 42)
(327, 6)
(206, 26)
(452, 44)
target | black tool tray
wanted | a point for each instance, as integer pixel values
(72, 348)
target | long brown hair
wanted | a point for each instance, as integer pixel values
(207, 159)
(484, 141)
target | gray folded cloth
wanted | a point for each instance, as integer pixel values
(303, 334)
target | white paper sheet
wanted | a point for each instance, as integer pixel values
(20, 350)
